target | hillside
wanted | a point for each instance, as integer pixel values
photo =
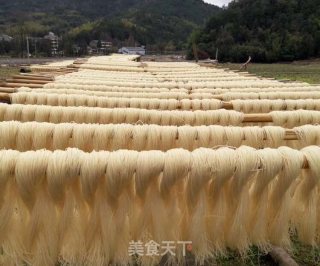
(145, 21)
(59, 15)
(268, 30)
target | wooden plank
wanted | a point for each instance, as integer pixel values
(18, 85)
(33, 77)
(257, 118)
(227, 105)
(33, 81)
(8, 90)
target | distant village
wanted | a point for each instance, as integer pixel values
(52, 45)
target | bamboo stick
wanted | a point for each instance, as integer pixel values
(33, 77)
(289, 133)
(18, 85)
(8, 90)
(257, 118)
(227, 105)
(67, 69)
(248, 118)
(54, 73)
(33, 81)
(79, 62)
(218, 97)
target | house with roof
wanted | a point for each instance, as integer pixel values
(5, 38)
(133, 50)
(99, 47)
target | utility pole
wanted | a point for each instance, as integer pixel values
(28, 51)
(195, 51)
(35, 47)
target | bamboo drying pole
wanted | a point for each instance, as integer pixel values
(227, 105)
(80, 62)
(19, 85)
(257, 118)
(75, 66)
(27, 81)
(248, 118)
(8, 90)
(33, 77)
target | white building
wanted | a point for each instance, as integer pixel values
(133, 50)
(5, 38)
(54, 39)
(51, 36)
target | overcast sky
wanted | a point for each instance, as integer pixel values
(218, 2)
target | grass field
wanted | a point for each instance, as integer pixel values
(6, 72)
(301, 71)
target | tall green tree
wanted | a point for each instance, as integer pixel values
(266, 30)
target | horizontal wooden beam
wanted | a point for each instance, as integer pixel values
(8, 90)
(74, 66)
(80, 62)
(32, 77)
(248, 118)
(289, 133)
(18, 85)
(257, 118)
(27, 81)
(227, 105)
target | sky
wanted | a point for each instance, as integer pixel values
(218, 2)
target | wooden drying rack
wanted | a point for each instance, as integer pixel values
(34, 81)
(37, 80)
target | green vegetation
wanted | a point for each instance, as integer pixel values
(253, 258)
(158, 24)
(6, 72)
(266, 30)
(303, 255)
(300, 71)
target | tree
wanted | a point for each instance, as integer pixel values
(267, 30)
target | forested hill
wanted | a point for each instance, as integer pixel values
(87, 8)
(268, 30)
(146, 21)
